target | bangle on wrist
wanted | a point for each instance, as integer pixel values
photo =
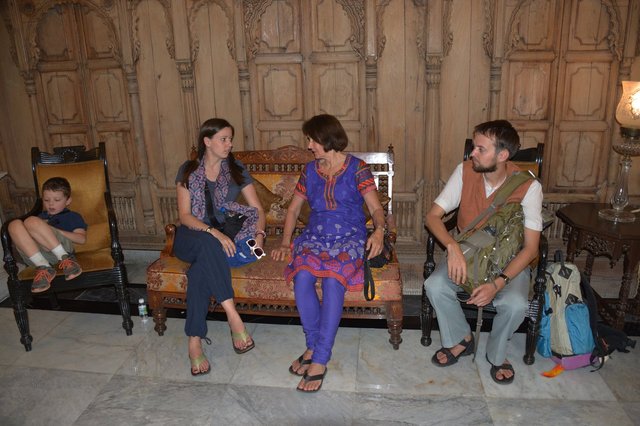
(261, 232)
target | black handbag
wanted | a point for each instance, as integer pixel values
(232, 221)
(385, 255)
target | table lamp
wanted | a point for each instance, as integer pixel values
(628, 115)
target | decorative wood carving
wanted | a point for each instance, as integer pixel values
(39, 14)
(168, 26)
(382, 39)
(355, 12)
(253, 10)
(4, 11)
(195, 40)
(489, 23)
(447, 34)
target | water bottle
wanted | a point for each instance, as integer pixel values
(142, 310)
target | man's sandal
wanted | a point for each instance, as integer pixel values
(243, 336)
(504, 366)
(196, 364)
(306, 378)
(451, 358)
(302, 363)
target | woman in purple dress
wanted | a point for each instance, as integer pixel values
(332, 246)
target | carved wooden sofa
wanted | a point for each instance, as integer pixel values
(260, 287)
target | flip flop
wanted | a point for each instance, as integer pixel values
(196, 363)
(504, 366)
(302, 362)
(306, 378)
(241, 337)
(451, 358)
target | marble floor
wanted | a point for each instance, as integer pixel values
(84, 370)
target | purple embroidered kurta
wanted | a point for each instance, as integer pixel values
(332, 244)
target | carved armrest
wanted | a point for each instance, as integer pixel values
(430, 263)
(170, 232)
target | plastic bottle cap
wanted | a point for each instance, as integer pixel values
(141, 300)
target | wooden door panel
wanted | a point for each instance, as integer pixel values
(162, 106)
(279, 27)
(590, 23)
(122, 167)
(98, 35)
(336, 90)
(215, 68)
(280, 89)
(109, 96)
(56, 38)
(528, 90)
(576, 161)
(62, 91)
(586, 105)
(330, 27)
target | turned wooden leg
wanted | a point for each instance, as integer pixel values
(158, 311)
(394, 323)
(18, 292)
(122, 292)
(160, 320)
(426, 319)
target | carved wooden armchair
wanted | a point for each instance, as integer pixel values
(526, 159)
(100, 257)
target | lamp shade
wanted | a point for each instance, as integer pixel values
(628, 111)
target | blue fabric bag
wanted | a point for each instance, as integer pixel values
(243, 255)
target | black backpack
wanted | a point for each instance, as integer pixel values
(607, 339)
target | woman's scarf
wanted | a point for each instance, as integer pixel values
(197, 181)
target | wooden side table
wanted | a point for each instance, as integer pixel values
(599, 237)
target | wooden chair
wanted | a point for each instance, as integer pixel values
(100, 257)
(526, 159)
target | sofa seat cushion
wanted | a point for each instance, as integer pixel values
(97, 260)
(264, 279)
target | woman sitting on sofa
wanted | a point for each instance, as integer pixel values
(206, 190)
(332, 245)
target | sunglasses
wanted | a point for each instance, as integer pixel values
(256, 251)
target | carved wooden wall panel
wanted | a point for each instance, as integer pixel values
(281, 88)
(215, 68)
(583, 117)
(297, 74)
(142, 75)
(165, 132)
(528, 92)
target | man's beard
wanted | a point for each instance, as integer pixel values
(487, 169)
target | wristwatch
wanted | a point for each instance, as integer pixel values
(505, 278)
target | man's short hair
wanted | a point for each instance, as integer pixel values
(57, 184)
(503, 134)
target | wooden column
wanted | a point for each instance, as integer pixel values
(142, 166)
(244, 80)
(189, 104)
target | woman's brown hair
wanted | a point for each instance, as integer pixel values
(207, 130)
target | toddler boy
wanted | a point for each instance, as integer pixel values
(48, 238)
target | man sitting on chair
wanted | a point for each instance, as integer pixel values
(471, 188)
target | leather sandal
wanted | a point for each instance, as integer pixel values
(241, 337)
(505, 366)
(306, 378)
(196, 363)
(302, 362)
(451, 358)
